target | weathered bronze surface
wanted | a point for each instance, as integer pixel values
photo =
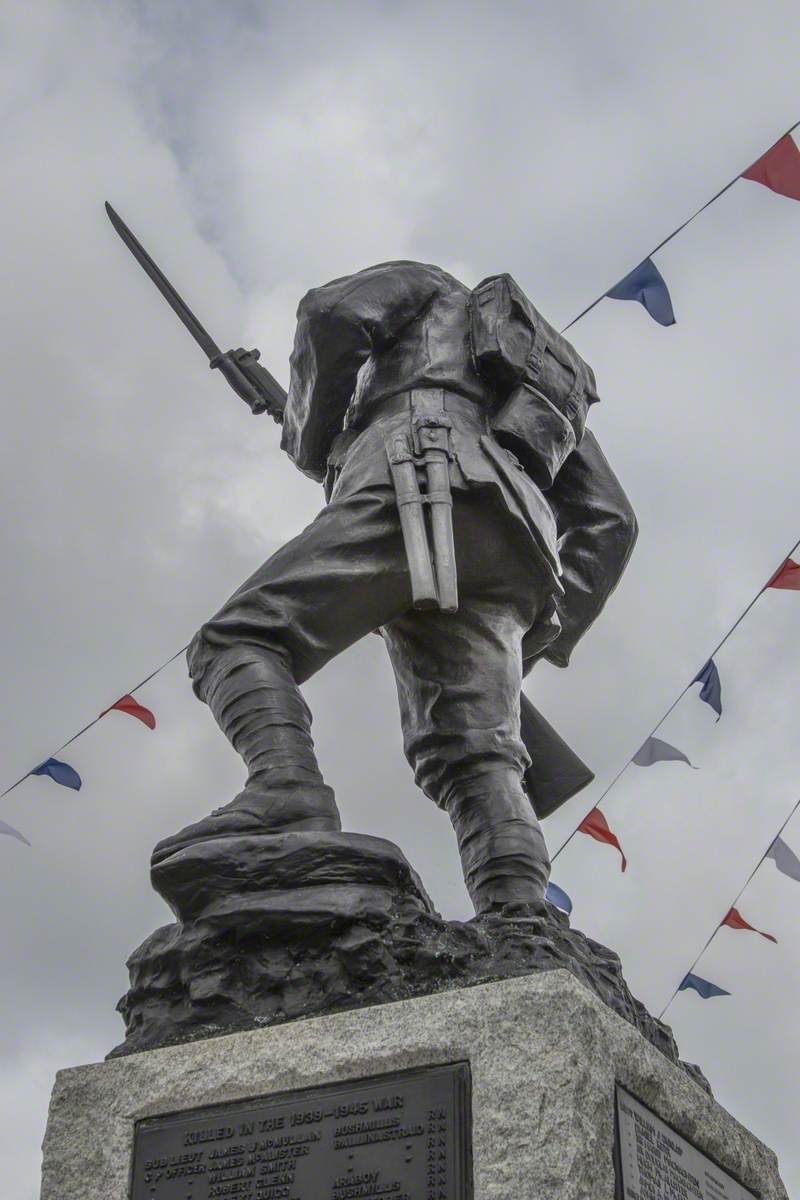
(404, 1136)
(471, 519)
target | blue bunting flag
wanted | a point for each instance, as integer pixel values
(711, 691)
(701, 986)
(558, 897)
(61, 772)
(645, 284)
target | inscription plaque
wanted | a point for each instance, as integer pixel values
(656, 1163)
(404, 1136)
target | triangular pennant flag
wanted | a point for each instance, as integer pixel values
(734, 920)
(654, 750)
(558, 897)
(784, 858)
(10, 831)
(61, 772)
(778, 169)
(701, 986)
(787, 577)
(127, 704)
(595, 824)
(711, 691)
(645, 284)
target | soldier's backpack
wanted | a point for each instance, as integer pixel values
(544, 386)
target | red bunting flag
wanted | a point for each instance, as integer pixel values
(127, 704)
(778, 169)
(735, 920)
(787, 577)
(595, 824)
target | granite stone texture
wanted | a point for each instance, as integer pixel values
(544, 1054)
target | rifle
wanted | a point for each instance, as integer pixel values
(253, 383)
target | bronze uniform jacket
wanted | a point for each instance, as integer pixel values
(404, 325)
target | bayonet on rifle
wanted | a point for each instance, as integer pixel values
(256, 386)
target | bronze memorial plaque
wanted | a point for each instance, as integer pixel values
(404, 1136)
(656, 1163)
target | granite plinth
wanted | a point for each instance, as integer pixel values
(544, 1054)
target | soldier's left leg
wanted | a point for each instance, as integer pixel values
(458, 679)
(338, 580)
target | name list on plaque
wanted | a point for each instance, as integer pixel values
(656, 1163)
(395, 1137)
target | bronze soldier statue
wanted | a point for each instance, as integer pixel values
(471, 520)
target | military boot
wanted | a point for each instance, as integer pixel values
(503, 852)
(259, 708)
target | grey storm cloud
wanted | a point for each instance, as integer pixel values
(257, 150)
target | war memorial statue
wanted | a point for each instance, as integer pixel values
(474, 523)
(471, 519)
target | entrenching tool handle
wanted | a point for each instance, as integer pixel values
(412, 523)
(431, 438)
(440, 500)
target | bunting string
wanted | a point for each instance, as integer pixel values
(653, 749)
(732, 917)
(648, 259)
(92, 723)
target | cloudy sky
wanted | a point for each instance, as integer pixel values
(259, 149)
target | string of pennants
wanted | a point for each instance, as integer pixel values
(784, 858)
(61, 772)
(654, 750)
(788, 864)
(779, 170)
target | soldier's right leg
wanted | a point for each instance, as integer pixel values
(458, 679)
(342, 577)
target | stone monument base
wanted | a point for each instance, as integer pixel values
(542, 1054)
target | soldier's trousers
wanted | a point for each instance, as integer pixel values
(458, 675)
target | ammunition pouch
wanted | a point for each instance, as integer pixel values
(544, 385)
(533, 429)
